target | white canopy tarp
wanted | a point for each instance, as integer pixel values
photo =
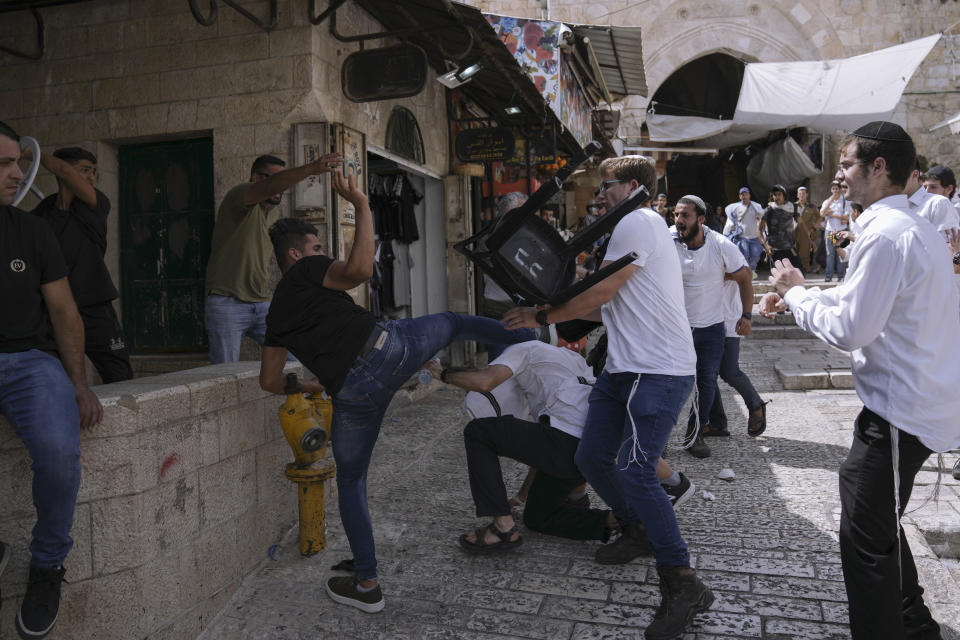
(826, 96)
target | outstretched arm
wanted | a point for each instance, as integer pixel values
(358, 268)
(68, 333)
(283, 180)
(476, 380)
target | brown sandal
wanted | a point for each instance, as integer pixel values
(480, 545)
(757, 422)
(709, 431)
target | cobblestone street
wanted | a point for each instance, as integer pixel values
(767, 545)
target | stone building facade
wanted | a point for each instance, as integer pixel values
(676, 32)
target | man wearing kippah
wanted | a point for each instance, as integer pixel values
(889, 313)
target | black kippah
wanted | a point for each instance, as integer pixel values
(883, 130)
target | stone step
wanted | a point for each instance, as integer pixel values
(796, 376)
(761, 286)
(778, 332)
(780, 319)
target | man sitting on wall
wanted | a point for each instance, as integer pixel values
(36, 395)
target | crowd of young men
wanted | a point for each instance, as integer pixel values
(673, 318)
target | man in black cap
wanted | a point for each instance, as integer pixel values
(781, 219)
(889, 313)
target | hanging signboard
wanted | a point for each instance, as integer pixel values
(493, 144)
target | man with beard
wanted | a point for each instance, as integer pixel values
(890, 314)
(237, 287)
(705, 257)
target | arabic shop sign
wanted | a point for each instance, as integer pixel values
(493, 144)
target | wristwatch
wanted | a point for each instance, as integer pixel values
(956, 258)
(541, 318)
(443, 376)
(746, 315)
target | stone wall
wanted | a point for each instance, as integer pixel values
(183, 493)
(678, 31)
(128, 71)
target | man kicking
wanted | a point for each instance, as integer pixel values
(361, 363)
(552, 384)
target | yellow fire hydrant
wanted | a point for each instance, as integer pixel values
(306, 425)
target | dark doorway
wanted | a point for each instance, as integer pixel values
(166, 222)
(708, 87)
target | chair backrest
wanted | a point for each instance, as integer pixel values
(527, 257)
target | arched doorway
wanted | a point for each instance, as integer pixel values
(706, 87)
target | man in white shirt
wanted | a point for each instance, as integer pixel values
(941, 181)
(743, 227)
(905, 358)
(551, 384)
(835, 211)
(705, 257)
(935, 208)
(637, 398)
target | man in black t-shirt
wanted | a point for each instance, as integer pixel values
(77, 213)
(36, 395)
(358, 361)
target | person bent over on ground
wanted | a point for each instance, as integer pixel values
(636, 400)
(360, 362)
(46, 400)
(552, 384)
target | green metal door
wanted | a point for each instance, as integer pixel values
(166, 221)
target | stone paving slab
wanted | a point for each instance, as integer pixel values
(767, 545)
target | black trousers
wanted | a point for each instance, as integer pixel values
(548, 450)
(105, 345)
(881, 607)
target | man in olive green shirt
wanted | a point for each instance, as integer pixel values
(238, 292)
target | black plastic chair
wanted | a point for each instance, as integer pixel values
(527, 257)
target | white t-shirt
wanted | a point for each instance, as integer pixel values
(839, 207)
(647, 329)
(936, 209)
(747, 215)
(549, 379)
(506, 400)
(703, 271)
(732, 308)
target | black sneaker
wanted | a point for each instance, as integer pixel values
(682, 596)
(698, 449)
(632, 543)
(40, 607)
(680, 493)
(343, 589)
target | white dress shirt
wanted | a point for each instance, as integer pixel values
(889, 313)
(549, 378)
(937, 209)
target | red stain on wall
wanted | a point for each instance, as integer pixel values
(168, 462)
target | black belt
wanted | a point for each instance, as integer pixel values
(371, 342)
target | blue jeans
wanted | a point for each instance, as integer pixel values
(834, 263)
(359, 407)
(752, 249)
(228, 320)
(731, 373)
(628, 424)
(37, 397)
(708, 342)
